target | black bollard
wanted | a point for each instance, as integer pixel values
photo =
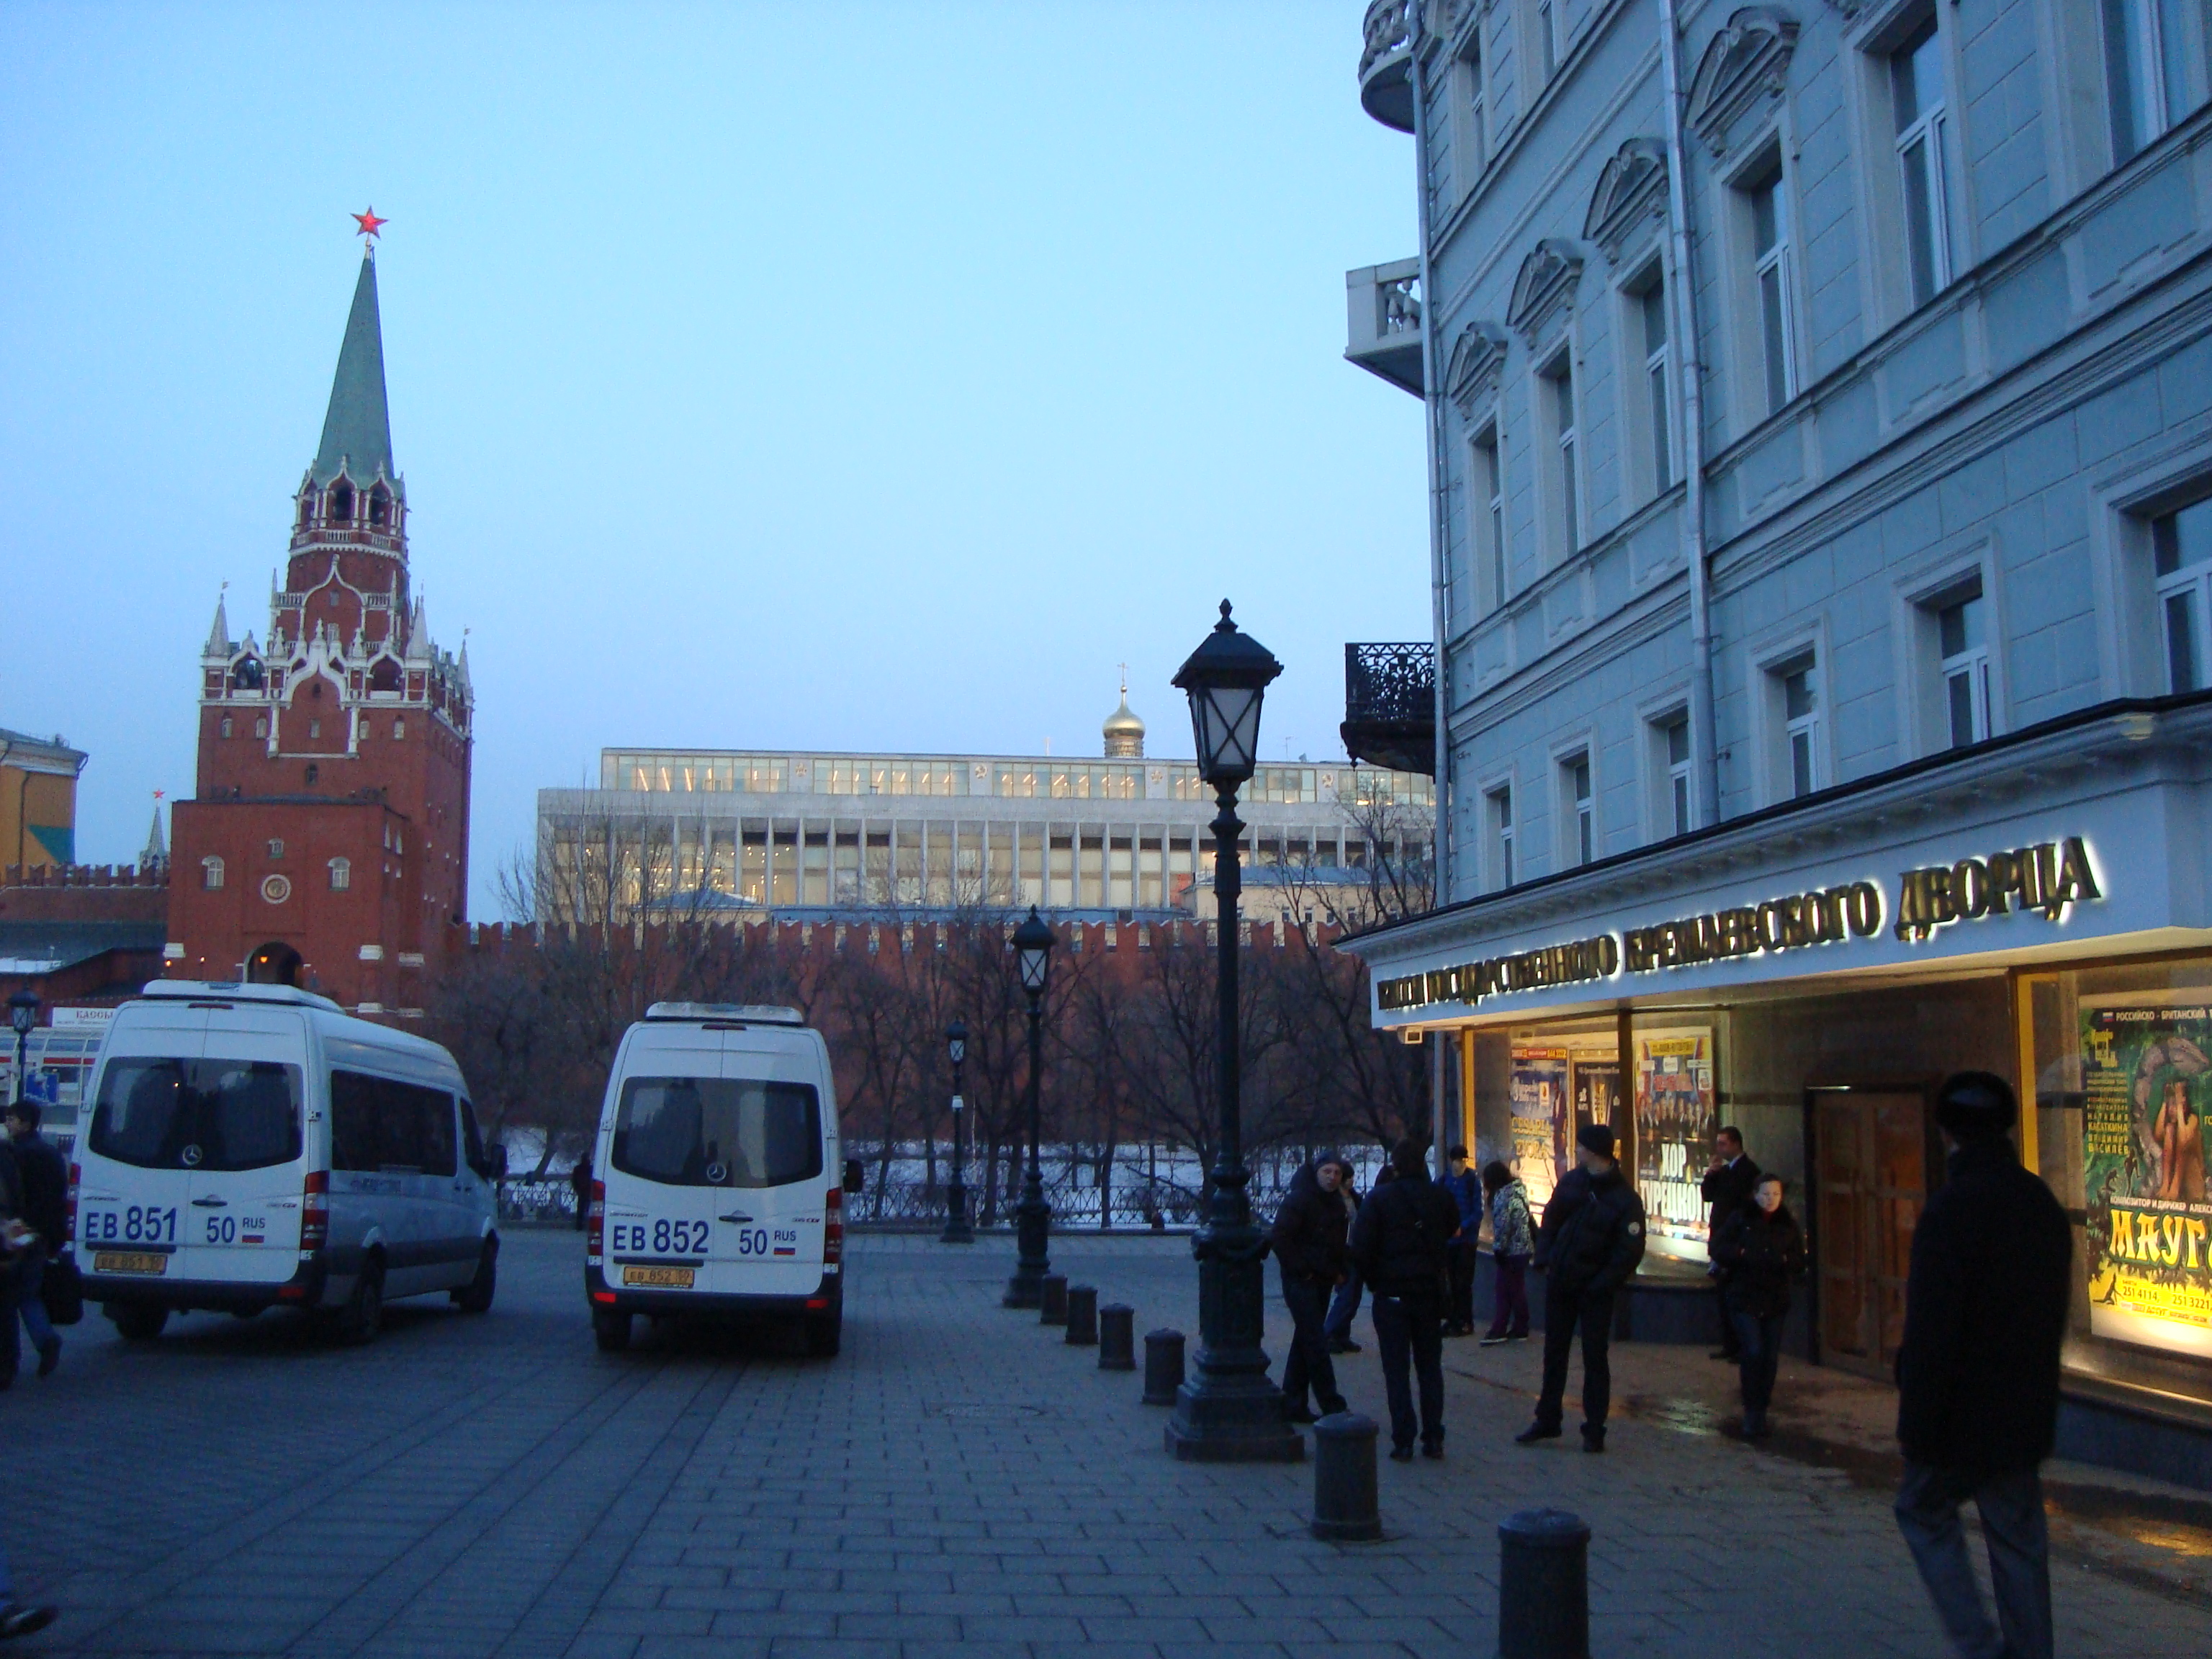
(1053, 1309)
(1082, 1316)
(1162, 1367)
(1543, 1586)
(1345, 1502)
(1117, 1340)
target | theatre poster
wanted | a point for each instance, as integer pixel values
(1539, 1121)
(1674, 1104)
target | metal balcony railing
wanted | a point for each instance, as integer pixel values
(1390, 705)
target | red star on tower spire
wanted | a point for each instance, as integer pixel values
(369, 223)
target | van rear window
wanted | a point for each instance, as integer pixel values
(197, 1114)
(718, 1132)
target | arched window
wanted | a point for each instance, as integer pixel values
(341, 874)
(307, 509)
(261, 726)
(399, 730)
(379, 506)
(342, 501)
(226, 726)
(210, 872)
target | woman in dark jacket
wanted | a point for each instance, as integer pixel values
(1309, 1244)
(1762, 1250)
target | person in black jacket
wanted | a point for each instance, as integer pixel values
(1400, 1245)
(1763, 1251)
(12, 1224)
(1308, 1240)
(1729, 1182)
(45, 1181)
(1977, 1373)
(1589, 1243)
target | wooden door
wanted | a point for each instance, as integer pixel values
(1870, 1180)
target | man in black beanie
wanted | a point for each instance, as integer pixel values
(1977, 1373)
(1590, 1240)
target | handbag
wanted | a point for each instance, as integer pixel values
(62, 1289)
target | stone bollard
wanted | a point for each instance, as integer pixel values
(1117, 1340)
(1345, 1502)
(1162, 1367)
(1543, 1586)
(1053, 1309)
(1082, 1316)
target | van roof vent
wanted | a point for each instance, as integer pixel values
(749, 1014)
(231, 990)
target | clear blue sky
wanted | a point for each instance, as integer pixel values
(790, 376)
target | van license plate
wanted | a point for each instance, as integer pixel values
(128, 1262)
(666, 1279)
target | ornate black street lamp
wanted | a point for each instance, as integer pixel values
(23, 1015)
(1033, 943)
(1230, 1411)
(956, 1229)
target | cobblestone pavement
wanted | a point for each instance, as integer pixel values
(959, 1481)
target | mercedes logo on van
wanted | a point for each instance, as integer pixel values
(190, 1157)
(716, 1174)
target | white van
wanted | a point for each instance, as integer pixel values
(716, 1187)
(250, 1146)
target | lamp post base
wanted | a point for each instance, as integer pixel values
(1032, 1224)
(1230, 1411)
(1218, 1426)
(957, 1228)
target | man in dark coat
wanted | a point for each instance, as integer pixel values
(1308, 1240)
(1977, 1374)
(1590, 1242)
(44, 1179)
(11, 1221)
(1730, 1179)
(1400, 1245)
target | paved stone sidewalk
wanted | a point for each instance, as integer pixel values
(958, 1481)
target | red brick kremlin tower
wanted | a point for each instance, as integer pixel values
(327, 845)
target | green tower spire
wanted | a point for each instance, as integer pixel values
(357, 430)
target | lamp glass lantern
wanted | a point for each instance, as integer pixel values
(23, 1012)
(1033, 943)
(1226, 679)
(956, 1041)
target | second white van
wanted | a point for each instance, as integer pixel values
(718, 1186)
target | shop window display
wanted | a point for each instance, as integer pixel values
(1674, 1117)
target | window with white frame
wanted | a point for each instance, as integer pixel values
(2181, 560)
(276, 848)
(1468, 131)
(1558, 388)
(1797, 689)
(1962, 643)
(1487, 491)
(211, 874)
(1581, 807)
(341, 875)
(1499, 803)
(1674, 748)
(1652, 307)
(2146, 43)
(1917, 107)
(1771, 275)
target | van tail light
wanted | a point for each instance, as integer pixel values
(833, 1228)
(315, 1213)
(595, 1224)
(68, 1223)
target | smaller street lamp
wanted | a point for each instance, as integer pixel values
(1033, 942)
(956, 1229)
(23, 1015)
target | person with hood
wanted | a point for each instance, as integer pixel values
(1466, 1189)
(1762, 1250)
(1977, 1373)
(1512, 1241)
(1590, 1242)
(1401, 1247)
(1309, 1242)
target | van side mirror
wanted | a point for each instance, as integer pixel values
(856, 1176)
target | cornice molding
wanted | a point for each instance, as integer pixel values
(1478, 357)
(1631, 191)
(1545, 286)
(1745, 64)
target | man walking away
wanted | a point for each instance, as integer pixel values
(1400, 1245)
(1977, 1374)
(1465, 1190)
(1512, 1241)
(1590, 1242)
(45, 1181)
(1308, 1239)
(1344, 1306)
(1730, 1179)
(15, 1619)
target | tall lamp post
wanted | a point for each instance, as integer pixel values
(1230, 1411)
(956, 1229)
(23, 1015)
(1033, 943)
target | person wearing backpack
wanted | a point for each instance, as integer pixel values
(1590, 1242)
(1400, 1245)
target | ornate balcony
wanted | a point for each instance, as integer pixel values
(1382, 323)
(1390, 707)
(1386, 63)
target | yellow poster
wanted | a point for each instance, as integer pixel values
(1675, 1103)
